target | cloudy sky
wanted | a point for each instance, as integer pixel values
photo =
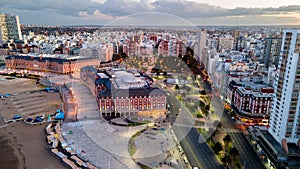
(198, 12)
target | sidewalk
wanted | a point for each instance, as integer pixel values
(104, 145)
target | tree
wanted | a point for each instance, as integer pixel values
(183, 95)
(188, 89)
(226, 140)
(234, 152)
(207, 107)
(213, 134)
(226, 159)
(218, 147)
(203, 92)
(219, 125)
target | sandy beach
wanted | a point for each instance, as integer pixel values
(23, 146)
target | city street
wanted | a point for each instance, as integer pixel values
(196, 149)
(248, 157)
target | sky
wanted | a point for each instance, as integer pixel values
(196, 12)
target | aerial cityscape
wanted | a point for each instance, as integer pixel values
(158, 84)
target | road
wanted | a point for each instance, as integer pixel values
(248, 157)
(196, 149)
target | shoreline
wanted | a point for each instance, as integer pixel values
(9, 146)
(25, 147)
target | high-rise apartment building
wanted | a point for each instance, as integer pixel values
(225, 44)
(200, 45)
(10, 27)
(272, 50)
(285, 114)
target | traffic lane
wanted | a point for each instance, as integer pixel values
(202, 154)
(197, 151)
(190, 153)
(228, 122)
(206, 156)
(246, 151)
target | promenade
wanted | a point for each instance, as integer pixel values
(104, 145)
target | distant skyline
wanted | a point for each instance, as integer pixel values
(198, 12)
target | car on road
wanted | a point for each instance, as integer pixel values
(154, 128)
(180, 148)
(185, 159)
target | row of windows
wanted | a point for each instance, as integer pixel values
(122, 108)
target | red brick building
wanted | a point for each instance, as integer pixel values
(253, 102)
(49, 64)
(261, 102)
(124, 93)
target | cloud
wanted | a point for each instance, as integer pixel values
(110, 9)
(83, 14)
(64, 7)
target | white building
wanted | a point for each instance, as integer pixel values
(285, 115)
(10, 27)
(200, 45)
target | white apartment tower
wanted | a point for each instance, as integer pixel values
(285, 114)
(10, 27)
(200, 45)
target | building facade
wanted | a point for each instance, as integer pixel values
(272, 50)
(253, 100)
(126, 93)
(285, 116)
(49, 64)
(225, 44)
(9, 27)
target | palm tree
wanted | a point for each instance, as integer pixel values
(234, 152)
(227, 140)
(218, 147)
(226, 160)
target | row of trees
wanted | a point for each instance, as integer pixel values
(227, 152)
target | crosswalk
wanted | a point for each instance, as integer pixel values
(232, 130)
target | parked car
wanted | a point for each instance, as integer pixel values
(7, 95)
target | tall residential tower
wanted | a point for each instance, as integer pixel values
(285, 114)
(10, 27)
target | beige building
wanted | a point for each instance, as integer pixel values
(9, 28)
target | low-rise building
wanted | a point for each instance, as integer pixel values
(250, 99)
(49, 63)
(122, 92)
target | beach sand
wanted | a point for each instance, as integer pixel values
(23, 146)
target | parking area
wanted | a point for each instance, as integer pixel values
(25, 98)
